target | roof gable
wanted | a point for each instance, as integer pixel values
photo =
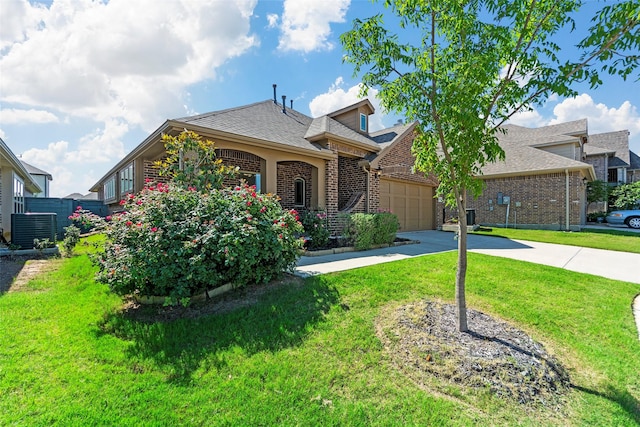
(618, 142)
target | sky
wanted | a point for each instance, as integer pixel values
(84, 82)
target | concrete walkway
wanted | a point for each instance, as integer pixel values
(614, 265)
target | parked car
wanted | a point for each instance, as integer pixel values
(630, 218)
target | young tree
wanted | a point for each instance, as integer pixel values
(191, 162)
(475, 65)
(597, 191)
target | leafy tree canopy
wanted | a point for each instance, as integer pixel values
(475, 65)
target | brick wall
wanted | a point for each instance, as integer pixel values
(331, 187)
(541, 200)
(600, 165)
(351, 179)
(288, 172)
(397, 163)
(152, 173)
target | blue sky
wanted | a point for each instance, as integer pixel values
(82, 83)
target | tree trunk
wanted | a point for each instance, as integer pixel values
(461, 273)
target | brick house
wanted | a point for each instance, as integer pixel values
(540, 184)
(612, 161)
(15, 183)
(330, 162)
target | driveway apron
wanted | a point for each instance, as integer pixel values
(614, 265)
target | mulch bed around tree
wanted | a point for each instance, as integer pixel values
(423, 341)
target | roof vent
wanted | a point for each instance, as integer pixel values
(291, 103)
(284, 105)
(274, 94)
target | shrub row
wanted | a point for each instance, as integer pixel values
(366, 230)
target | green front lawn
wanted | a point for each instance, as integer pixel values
(304, 354)
(613, 240)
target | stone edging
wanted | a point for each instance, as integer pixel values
(352, 249)
(24, 252)
(155, 299)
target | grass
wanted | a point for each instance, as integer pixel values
(613, 240)
(304, 354)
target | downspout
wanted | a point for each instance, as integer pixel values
(366, 200)
(566, 202)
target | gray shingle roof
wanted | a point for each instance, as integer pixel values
(327, 125)
(531, 136)
(387, 136)
(263, 120)
(34, 170)
(523, 159)
(521, 155)
(266, 121)
(614, 141)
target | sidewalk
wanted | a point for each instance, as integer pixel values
(614, 265)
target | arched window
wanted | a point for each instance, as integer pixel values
(298, 191)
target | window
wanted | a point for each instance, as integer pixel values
(18, 194)
(298, 192)
(251, 178)
(110, 188)
(613, 175)
(126, 179)
(363, 122)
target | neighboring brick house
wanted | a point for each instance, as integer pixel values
(612, 160)
(330, 162)
(540, 184)
(15, 183)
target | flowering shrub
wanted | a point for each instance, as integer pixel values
(176, 241)
(366, 230)
(71, 239)
(316, 228)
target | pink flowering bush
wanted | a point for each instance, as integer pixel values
(316, 228)
(175, 241)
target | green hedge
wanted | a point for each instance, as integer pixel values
(366, 230)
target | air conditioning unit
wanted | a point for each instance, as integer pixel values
(28, 226)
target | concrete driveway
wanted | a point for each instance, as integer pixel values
(614, 265)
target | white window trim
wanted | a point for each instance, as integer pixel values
(110, 195)
(363, 119)
(18, 194)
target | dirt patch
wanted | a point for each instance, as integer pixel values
(241, 297)
(423, 341)
(17, 271)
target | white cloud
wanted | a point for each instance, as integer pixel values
(601, 118)
(12, 115)
(17, 20)
(2, 134)
(63, 161)
(305, 24)
(122, 59)
(272, 20)
(528, 119)
(336, 98)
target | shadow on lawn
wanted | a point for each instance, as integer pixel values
(279, 318)
(624, 399)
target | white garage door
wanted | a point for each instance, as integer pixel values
(413, 203)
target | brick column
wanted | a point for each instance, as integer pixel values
(331, 188)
